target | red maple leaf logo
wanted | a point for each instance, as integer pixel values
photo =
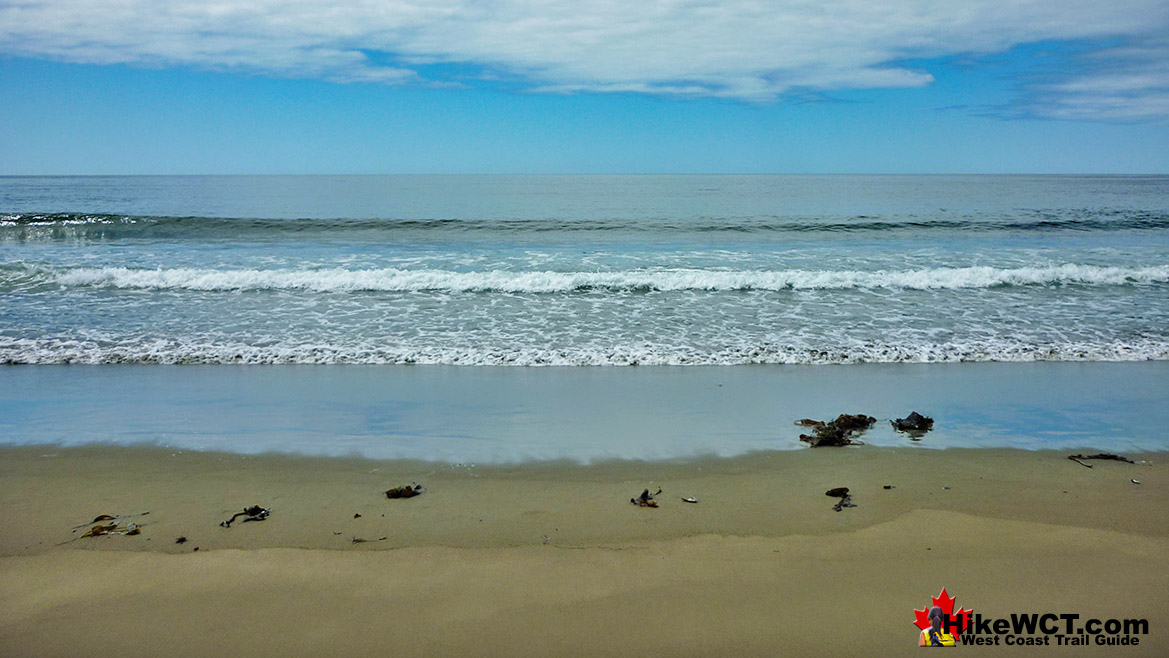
(946, 603)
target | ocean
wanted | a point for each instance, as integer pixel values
(414, 294)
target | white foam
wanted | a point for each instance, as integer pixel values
(226, 351)
(405, 280)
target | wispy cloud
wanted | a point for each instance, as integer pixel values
(744, 49)
(1124, 83)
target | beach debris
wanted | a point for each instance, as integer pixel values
(408, 491)
(112, 527)
(837, 432)
(253, 513)
(357, 516)
(1100, 455)
(108, 517)
(689, 499)
(108, 524)
(887, 486)
(181, 540)
(646, 499)
(1135, 481)
(359, 540)
(915, 425)
(843, 495)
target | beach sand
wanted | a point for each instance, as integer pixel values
(553, 560)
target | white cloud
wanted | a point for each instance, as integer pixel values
(1129, 83)
(744, 49)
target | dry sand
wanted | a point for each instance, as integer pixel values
(553, 560)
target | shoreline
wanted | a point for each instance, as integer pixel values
(552, 559)
(48, 489)
(507, 415)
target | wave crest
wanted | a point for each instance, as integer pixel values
(105, 225)
(661, 280)
(143, 350)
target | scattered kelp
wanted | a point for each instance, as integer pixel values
(838, 432)
(108, 517)
(253, 513)
(843, 495)
(408, 491)
(915, 424)
(646, 499)
(1101, 455)
(359, 540)
(114, 528)
(108, 524)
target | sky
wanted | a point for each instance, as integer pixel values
(557, 86)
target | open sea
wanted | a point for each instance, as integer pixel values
(385, 315)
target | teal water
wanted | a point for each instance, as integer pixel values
(507, 415)
(217, 312)
(583, 270)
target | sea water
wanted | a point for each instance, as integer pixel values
(770, 282)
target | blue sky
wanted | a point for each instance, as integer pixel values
(498, 86)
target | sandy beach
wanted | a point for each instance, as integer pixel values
(552, 559)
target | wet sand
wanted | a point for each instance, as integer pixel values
(552, 559)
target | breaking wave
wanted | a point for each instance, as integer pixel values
(99, 225)
(431, 280)
(128, 350)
